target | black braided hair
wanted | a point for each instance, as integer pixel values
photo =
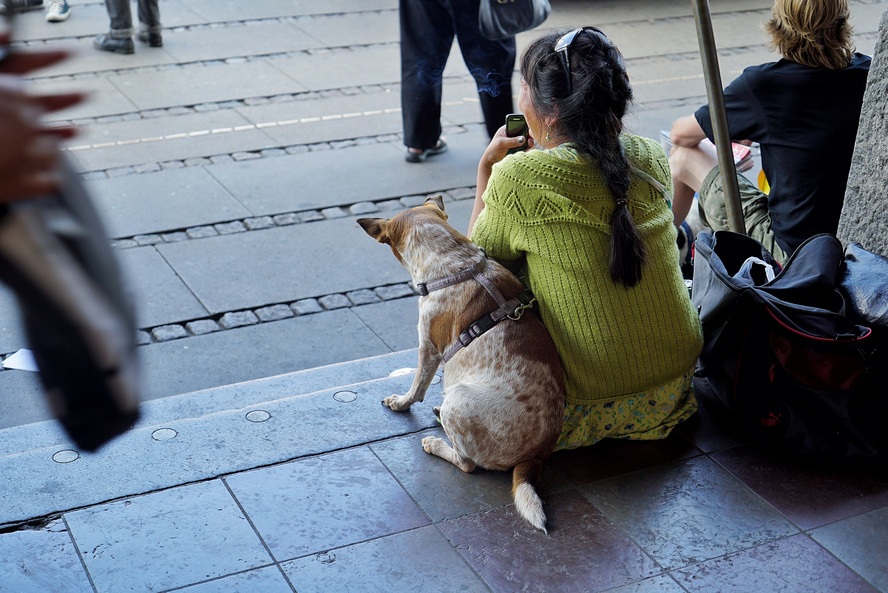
(592, 117)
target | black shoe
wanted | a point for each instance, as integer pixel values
(418, 157)
(152, 39)
(120, 46)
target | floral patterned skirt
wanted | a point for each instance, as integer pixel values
(645, 416)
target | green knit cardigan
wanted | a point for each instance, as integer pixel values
(547, 218)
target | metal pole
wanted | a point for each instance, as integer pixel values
(709, 55)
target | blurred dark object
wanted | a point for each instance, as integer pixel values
(79, 323)
(55, 256)
(793, 370)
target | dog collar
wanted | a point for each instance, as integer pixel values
(425, 288)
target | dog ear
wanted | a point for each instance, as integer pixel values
(437, 200)
(376, 228)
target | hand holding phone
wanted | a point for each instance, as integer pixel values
(516, 125)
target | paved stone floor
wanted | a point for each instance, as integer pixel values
(699, 512)
(230, 166)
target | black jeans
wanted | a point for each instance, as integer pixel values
(120, 13)
(427, 31)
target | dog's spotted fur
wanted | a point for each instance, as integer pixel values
(504, 393)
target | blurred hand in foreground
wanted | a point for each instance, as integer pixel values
(29, 148)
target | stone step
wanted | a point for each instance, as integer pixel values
(203, 435)
(206, 402)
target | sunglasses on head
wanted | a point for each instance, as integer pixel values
(562, 48)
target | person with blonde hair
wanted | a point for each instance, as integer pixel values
(803, 110)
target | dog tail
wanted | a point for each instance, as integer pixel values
(527, 501)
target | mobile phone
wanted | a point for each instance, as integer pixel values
(516, 125)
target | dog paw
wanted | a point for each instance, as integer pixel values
(429, 444)
(398, 403)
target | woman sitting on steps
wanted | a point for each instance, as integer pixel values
(586, 218)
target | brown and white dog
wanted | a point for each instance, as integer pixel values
(504, 392)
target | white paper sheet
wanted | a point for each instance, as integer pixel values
(23, 360)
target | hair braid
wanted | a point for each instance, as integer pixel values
(592, 117)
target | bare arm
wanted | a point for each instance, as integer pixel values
(686, 132)
(496, 151)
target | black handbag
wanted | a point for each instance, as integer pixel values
(782, 354)
(501, 19)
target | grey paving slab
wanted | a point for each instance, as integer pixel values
(393, 321)
(328, 118)
(103, 98)
(253, 352)
(412, 561)
(353, 28)
(345, 67)
(263, 580)
(87, 59)
(458, 167)
(21, 399)
(236, 10)
(84, 20)
(12, 335)
(317, 180)
(460, 103)
(575, 13)
(166, 539)
(653, 38)
(738, 520)
(119, 144)
(227, 359)
(159, 296)
(90, 19)
(207, 446)
(41, 561)
(196, 404)
(245, 270)
(196, 84)
(583, 548)
(859, 542)
(315, 504)
(40, 483)
(658, 584)
(163, 201)
(798, 563)
(246, 38)
(422, 475)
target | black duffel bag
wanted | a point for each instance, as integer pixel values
(795, 369)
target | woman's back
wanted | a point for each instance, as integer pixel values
(552, 209)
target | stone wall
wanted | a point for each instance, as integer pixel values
(865, 214)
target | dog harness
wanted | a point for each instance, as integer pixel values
(512, 309)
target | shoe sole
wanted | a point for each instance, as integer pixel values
(57, 18)
(114, 50)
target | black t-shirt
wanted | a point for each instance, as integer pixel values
(806, 122)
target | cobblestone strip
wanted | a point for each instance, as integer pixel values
(269, 313)
(276, 312)
(288, 219)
